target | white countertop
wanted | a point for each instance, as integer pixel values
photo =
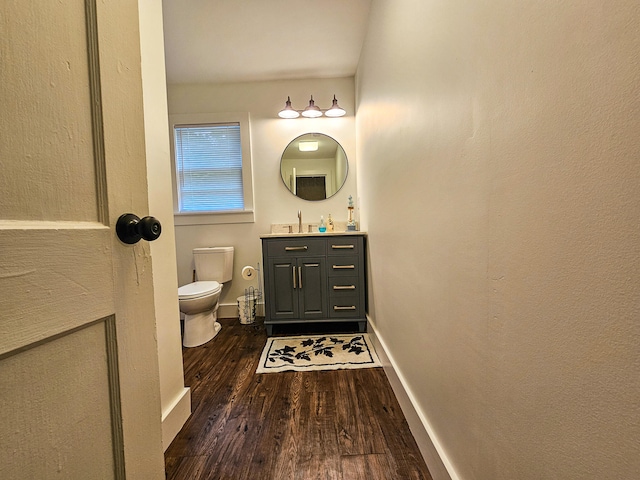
(312, 234)
(281, 230)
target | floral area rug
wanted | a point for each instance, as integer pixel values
(317, 352)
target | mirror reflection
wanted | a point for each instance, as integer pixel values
(314, 166)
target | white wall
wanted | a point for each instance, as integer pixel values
(175, 398)
(270, 135)
(499, 179)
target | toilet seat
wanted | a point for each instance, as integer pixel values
(198, 289)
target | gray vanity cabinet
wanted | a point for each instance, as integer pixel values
(314, 279)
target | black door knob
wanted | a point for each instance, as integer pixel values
(130, 228)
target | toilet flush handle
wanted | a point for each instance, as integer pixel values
(131, 228)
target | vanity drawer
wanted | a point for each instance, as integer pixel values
(296, 247)
(343, 245)
(345, 307)
(347, 265)
(343, 286)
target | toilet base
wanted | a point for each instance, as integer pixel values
(200, 328)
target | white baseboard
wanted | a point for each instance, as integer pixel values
(434, 456)
(175, 416)
(230, 310)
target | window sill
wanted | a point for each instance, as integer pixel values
(218, 218)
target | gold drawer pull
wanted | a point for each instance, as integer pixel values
(291, 249)
(344, 267)
(344, 287)
(338, 247)
(351, 307)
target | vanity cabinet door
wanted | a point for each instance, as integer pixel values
(312, 288)
(298, 288)
(283, 298)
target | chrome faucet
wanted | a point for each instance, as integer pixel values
(299, 221)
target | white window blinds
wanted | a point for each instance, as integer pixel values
(209, 167)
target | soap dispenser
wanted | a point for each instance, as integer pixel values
(330, 226)
(322, 227)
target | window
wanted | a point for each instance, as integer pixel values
(212, 169)
(209, 167)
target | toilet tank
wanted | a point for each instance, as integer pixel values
(213, 263)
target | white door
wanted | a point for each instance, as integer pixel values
(79, 388)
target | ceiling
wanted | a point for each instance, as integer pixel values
(218, 41)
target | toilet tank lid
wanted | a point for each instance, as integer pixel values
(212, 249)
(198, 289)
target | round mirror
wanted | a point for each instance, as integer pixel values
(314, 166)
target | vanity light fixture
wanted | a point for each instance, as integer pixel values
(312, 110)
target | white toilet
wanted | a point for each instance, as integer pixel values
(199, 300)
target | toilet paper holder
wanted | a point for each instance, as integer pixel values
(248, 272)
(252, 296)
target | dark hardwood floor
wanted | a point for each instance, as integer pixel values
(338, 425)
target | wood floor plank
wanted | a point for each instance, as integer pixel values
(319, 467)
(359, 429)
(367, 467)
(178, 468)
(319, 425)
